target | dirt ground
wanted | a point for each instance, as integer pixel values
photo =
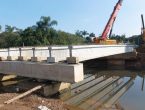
(31, 102)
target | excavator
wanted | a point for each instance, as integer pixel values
(108, 28)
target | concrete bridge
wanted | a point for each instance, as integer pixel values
(58, 63)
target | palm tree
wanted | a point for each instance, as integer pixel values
(84, 33)
(46, 22)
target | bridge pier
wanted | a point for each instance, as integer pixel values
(53, 88)
(119, 61)
(116, 64)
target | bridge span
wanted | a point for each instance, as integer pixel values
(58, 63)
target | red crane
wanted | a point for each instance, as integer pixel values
(112, 19)
(110, 22)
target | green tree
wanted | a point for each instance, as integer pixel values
(0, 27)
(85, 33)
(29, 38)
(42, 33)
(79, 33)
(44, 30)
(9, 29)
(46, 23)
(119, 38)
(10, 40)
(68, 39)
(92, 35)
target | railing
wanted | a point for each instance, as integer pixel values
(61, 53)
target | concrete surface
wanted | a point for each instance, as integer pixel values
(55, 72)
(72, 60)
(51, 60)
(2, 59)
(7, 77)
(60, 53)
(9, 58)
(125, 56)
(54, 88)
(70, 73)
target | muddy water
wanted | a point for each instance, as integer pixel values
(109, 89)
(134, 99)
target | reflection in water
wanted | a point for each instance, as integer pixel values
(101, 91)
(143, 84)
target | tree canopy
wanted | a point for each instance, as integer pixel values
(42, 33)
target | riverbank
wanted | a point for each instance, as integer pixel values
(31, 102)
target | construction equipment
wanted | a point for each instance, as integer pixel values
(108, 28)
(143, 28)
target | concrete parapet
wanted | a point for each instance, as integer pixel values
(57, 72)
(72, 60)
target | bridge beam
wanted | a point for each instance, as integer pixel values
(56, 72)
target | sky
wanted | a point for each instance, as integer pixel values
(73, 15)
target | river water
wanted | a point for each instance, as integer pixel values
(134, 98)
(108, 90)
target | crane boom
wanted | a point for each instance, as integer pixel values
(111, 20)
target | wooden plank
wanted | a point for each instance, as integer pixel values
(24, 94)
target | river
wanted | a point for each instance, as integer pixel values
(108, 90)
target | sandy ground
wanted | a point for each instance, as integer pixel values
(31, 102)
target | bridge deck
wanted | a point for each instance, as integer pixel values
(56, 71)
(60, 53)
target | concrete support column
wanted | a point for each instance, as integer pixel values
(54, 88)
(20, 58)
(71, 59)
(70, 47)
(9, 58)
(50, 59)
(34, 58)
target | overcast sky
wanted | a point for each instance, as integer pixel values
(72, 15)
